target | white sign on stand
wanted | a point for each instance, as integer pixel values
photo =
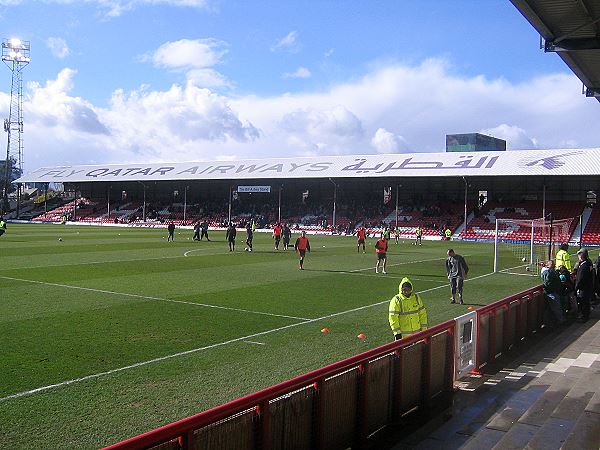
(466, 343)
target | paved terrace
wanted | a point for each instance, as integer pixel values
(544, 395)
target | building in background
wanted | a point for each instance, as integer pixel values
(473, 142)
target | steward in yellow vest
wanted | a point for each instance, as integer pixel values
(563, 258)
(407, 314)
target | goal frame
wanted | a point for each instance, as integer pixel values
(532, 242)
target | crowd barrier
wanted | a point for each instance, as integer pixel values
(343, 404)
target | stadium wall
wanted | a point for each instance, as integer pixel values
(347, 403)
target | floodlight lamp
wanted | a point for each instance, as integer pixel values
(15, 43)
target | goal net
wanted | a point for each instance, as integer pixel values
(523, 246)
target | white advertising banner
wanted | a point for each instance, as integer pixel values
(567, 162)
(242, 189)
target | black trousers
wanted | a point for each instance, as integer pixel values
(583, 305)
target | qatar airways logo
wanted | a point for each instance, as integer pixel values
(548, 162)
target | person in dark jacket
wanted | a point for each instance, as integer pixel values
(567, 290)
(584, 285)
(552, 288)
(171, 230)
(196, 232)
(230, 236)
(204, 228)
(457, 270)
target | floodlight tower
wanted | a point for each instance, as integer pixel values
(15, 54)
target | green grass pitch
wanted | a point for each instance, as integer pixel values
(110, 332)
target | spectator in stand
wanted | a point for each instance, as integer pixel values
(171, 230)
(361, 235)
(584, 285)
(230, 236)
(552, 289)
(301, 246)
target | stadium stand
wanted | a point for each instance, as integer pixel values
(591, 233)
(484, 224)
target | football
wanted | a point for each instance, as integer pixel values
(524, 259)
(527, 268)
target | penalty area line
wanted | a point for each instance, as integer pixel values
(208, 347)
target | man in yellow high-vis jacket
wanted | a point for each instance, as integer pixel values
(407, 313)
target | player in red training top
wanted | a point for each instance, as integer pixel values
(301, 246)
(361, 235)
(381, 247)
(277, 235)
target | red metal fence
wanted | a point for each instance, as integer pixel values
(341, 405)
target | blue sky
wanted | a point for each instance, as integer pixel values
(172, 80)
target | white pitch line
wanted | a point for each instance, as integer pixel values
(208, 347)
(190, 251)
(205, 305)
(254, 342)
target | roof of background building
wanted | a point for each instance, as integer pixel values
(563, 162)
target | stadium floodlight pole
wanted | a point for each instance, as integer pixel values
(15, 54)
(496, 248)
(334, 200)
(45, 198)
(544, 201)
(279, 206)
(75, 207)
(466, 192)
(397, 195)
(184, 202)
(229, 216)
(144, 204)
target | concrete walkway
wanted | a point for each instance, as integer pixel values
(545, 394)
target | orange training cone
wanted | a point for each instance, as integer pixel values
(361, 336)
(470, 308)
(325, 330)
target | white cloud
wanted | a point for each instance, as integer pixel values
(384, 110)
(335, 124)
(385, 142)
(189, 54)
(58, 47)
(289, 43)
(515, 137)
(208, 78)
(300, 72)
(329, 52)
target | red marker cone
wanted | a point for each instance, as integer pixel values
(361, 336)
(470, 308)
(325, 330)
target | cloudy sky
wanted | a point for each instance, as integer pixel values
(116, 81)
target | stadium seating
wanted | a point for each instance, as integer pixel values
(483, 226)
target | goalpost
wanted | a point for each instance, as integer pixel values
(522, 246)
